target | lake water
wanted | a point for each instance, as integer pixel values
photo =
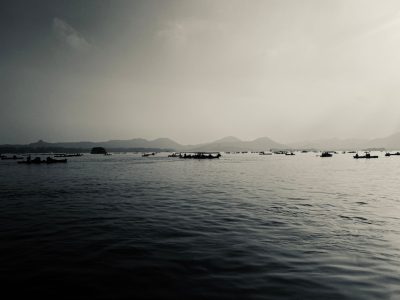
(242, 227)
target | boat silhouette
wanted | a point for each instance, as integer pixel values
(326, 154)
(367, 156)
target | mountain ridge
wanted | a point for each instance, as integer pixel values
(228, 143)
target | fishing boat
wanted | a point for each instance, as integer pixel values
(148, 154)
(265, 153)
(280, 152)
(367, 156)
(199, 155)
(391, 154)
(326, 154)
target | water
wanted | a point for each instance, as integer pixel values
(244, 226)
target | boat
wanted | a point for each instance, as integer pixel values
(326, 154)
(391, 154)
(280, 152)
(367, 156)
(98, 150)
(265, 153)
(199, 155)
(148, 154)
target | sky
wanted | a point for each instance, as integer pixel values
(198, 70)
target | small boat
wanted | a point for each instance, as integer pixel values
(326, 154)
(280, 152)
(148, 154)
(367, 156)
(265, 153)
(391, 154)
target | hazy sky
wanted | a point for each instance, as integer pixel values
(198, 70)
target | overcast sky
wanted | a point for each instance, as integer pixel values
(199, 70)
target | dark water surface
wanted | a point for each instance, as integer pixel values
(241, 227)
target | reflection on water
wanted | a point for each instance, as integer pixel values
(243, 226)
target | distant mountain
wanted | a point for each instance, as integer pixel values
(231, 143)
(162, 144)
(332, 144)
(391, 142)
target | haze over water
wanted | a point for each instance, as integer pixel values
(242, 227)
(195, 71)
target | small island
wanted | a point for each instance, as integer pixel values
(98, 150)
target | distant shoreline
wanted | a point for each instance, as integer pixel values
(229, 143)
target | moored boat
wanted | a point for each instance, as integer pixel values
(265, 153)
(367, 156)
(148, 154)
(392, 154)
(326, 154)
(200, 155)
